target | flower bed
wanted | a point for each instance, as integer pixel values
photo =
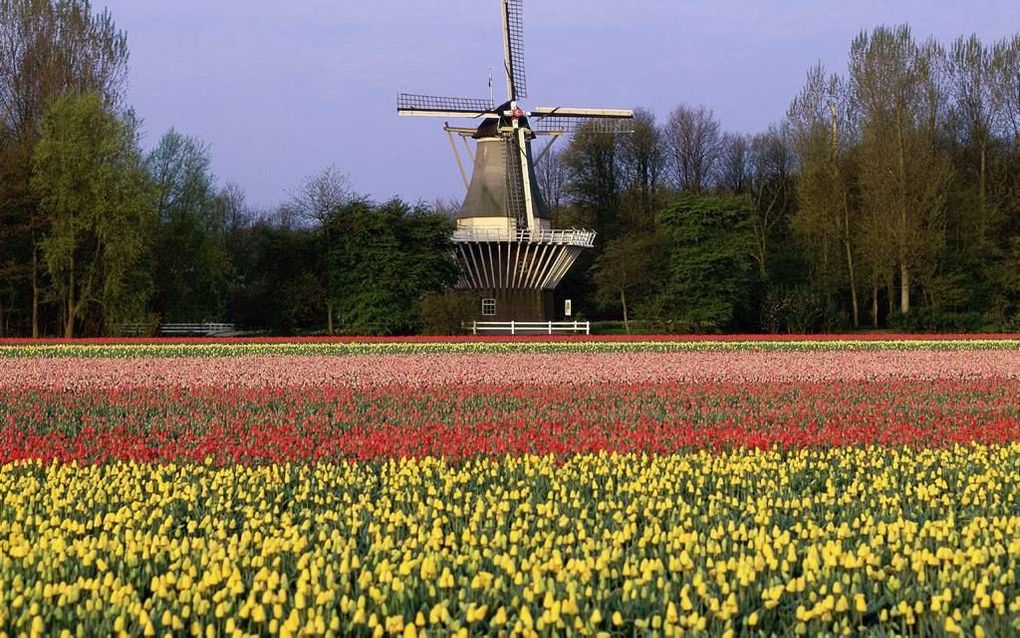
(597, 488)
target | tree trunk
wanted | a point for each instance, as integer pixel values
(761, 258)
(904, 288)
(902, 239)
(890, 293)
(329, 277)
(850, 263)
(623, 302)
(71, 310)
(35, 288)
(874, 304)
(983, 180)
(853, 287)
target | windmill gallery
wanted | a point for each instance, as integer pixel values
(511, 257)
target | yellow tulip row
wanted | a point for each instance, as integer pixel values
(800, 543)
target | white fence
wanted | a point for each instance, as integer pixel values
(201, 329)
(530, 327)
(176, 329)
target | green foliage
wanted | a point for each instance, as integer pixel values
(707, 243)
(278, 284)
(443, 313)
(47, 48)
(192, 269)
(89, 179)
(625, 268)
(893, 187)
(801, 309)
(384, 261)
(1005, 311)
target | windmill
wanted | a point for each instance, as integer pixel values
(508, 251)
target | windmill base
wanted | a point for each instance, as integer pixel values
(513, 305)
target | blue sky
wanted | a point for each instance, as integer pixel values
(281, 89)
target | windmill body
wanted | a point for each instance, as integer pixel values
(510, 255)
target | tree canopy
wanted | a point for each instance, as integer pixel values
(887, 196)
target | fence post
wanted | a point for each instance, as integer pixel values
(513, 330)
(587, 327)
(550, 327)
(474, 328)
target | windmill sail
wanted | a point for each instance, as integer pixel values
(567, 125)
(511, 255)
(564, 120)
(436, 106)
(513, 45)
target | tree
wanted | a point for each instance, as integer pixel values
(386, 259)
(769, 166)
(625, 265)
(734, 156)
(443, 313)
(823, 133)
(47, 48)
(192, 266)
(974, 107)
(278, 283)
(694, 139)
(595, 182)
(707, 244)
(896, 89)
(552, 182)
(1005, 84)
(319, 200)
(642, 163)
(89, 179)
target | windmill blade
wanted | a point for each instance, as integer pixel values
(569, 111)
(513, 49)
(566, 125)
(470, 131)
(436, 106)
(565, 120)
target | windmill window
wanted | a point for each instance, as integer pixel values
(488, 307)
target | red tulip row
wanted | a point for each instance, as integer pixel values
(276, 424)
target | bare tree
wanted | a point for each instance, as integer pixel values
(770, 182)
(593, 178)
(319, 200)
(232, 202)
(48, 48)
(694, 138)
(974, 106)
(1005, 85)
(552, 181)
(734, 158)
(321, 196)
(642, 161)
(447, 207)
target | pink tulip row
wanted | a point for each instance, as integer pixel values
(439, 370)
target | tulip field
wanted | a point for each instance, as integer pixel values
(496, 487)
